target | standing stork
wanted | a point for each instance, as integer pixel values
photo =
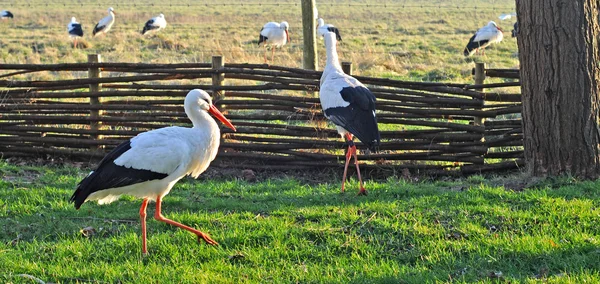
(322, 28)
(349, 105)
(275, 34)
(155, 24)
(5, 14)
(485, 36)
(75, 31)
(148, 165)
(104, 25)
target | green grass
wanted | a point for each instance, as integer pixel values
(283, 230)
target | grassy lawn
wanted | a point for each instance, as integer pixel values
(285, 230)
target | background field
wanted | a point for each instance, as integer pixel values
(412, 40)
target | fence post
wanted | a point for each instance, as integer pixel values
(309, 26)
(217, 81)
(95, 113)
(479, 80)
(347, 67)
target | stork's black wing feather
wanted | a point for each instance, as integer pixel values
(335, 30)
(110, 175)
(149, 26)
(97, 29)
(76, 30)
(358, 117)
(472, 45)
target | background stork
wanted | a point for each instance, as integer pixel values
(104, 25)
(155, 24)
(275, 34)
(515, 30)
(485, 36)
(349, 105)
(148, 165)
(322, 28)
(5, 14)
(75, 31)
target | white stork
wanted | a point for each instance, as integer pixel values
(322, 28)
(148, 165)
(104, 25)
(349, 105)
(485, 36)
(275, 34)
(75, 31)
(155, 24)
(5, 14)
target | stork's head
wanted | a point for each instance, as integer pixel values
(285, 27)
(197, 98)
(320, 22)
(161, 16)
(73, 20)
(494, 25)
(111, 10)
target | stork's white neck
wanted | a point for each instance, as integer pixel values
(200, 118)
(333, 62)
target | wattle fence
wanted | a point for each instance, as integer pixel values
(433, 128)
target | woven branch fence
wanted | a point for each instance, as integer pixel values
(433, 128)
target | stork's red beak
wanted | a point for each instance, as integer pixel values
(214, 111)
(287, 35)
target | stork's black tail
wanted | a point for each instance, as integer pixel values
(472, 46)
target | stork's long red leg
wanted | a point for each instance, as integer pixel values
(348, 157)
(158, 216)
(272, 54)
(265, 54)
(362, 190)
(143, 219)
(348, 137)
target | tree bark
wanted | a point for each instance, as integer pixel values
(559, 54)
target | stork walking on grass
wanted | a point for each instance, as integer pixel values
(148, 165)
(274, 34)
(155, 24)
(485, 36)
(349, 105)
(75, 31)
(104, 25)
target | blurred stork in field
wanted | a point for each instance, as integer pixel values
(274, 34)
(104, 25)
(5, 14)
(75, 30)
(148, 166)
(155, 24)
(515, 30)
(485, 36)
(349, 105)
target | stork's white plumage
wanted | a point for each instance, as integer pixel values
(349, 105)
(507, 16)
(485, 36)
(104, 25)
(322, 28)
(274, 34)
(155, 24)
(148, 165)
(75, 31)
(5, 14)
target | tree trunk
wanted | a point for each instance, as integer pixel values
(559, 54)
